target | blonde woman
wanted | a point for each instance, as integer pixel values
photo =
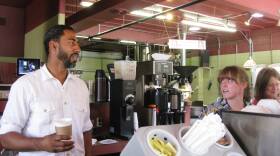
(234, 89)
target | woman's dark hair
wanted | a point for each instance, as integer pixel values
(239, 75)
(262, 81)
(54, 33)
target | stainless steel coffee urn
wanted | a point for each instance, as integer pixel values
(101, 86)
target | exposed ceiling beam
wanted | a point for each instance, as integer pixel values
(147, 18)
(105, 10)
(270, 8)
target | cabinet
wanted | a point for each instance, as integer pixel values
(7, 77)
(4, 93)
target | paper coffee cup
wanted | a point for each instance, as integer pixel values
(63, 126)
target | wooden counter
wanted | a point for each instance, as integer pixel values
(101, 149)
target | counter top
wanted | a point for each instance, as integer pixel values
(102, 149)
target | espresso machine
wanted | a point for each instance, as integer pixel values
(151, 93)
(122, 103)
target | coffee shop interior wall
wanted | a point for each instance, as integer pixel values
(16, 41)
(266, 51)
(12, 33)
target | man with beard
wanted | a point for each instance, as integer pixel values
(40, 98)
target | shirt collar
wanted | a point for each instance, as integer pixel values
(46, 75)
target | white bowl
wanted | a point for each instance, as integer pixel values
(229, 138)
(160, 57)
(163, 135)
(233, 154)
(182, 132)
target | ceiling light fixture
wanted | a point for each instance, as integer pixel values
(257, 15)
(250, 63)
(87, 37)
(208, 22)
(81, 36)
(87, 3)
(193, 28)
(96, 38)
(154, 8)
(248, 22)
(169, 16)
(224, 28)
(126, 41)
(192, 16)
(254, 15)
(146, 13)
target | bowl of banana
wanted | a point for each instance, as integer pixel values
(162, 143)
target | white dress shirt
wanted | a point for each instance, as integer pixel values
(37, 99)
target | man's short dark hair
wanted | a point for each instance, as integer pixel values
(54, 33)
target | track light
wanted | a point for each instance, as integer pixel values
(248, 21)
(87, 3)
(257, 15)
(193, 28)
(254, 15)
(209, 26)
(147, 13)
(127, 42)
(81, 36)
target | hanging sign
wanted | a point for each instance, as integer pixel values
(187, 44)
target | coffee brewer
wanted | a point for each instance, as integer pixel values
(151, 93)
(122, 102)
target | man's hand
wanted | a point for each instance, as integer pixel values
(55, 143)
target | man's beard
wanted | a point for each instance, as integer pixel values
(69, 62)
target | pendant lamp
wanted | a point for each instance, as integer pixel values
(250, 63)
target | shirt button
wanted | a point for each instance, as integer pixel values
(65, 103)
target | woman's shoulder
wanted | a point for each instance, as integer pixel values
(220, 103)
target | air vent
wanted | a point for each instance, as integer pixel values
(2, 21)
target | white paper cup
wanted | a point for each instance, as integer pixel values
(63, 126)
(182, 132)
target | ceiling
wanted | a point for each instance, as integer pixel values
(106, 15)
(15, 3)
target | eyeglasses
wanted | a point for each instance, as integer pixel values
(271, 85)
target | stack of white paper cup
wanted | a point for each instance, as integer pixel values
(203, 134)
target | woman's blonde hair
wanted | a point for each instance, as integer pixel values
(239, 75)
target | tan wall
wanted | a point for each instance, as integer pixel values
(33, 45)
(204, 75)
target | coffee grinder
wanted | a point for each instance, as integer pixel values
(122, 103)
(151, 78)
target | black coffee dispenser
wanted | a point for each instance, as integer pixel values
(122, 102)
(101, 86)
(158, 98)
(176, 105)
